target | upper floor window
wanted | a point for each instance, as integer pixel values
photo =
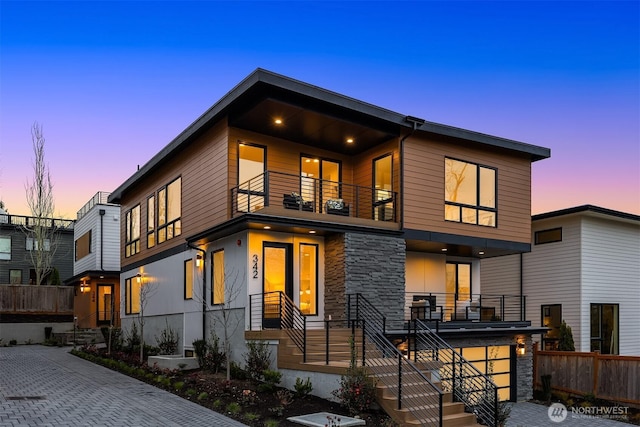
(132, 232)
(32, 244)
(548, 236)
(5, 247)
(151, 222)
(83, 245)
(470, 193)
(170, 211)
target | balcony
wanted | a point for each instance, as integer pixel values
(276, 193)
(31, 221)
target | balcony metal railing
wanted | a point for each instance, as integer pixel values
(443, 306)
(313, 195)
(31, 221)
(100, 198)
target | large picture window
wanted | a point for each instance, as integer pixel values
(217, 274)
(132, 295)
(170, 211)
(470, 193)
(132, 232)
(83, 245)
(251, 167)
(151, 221)
(308, 278)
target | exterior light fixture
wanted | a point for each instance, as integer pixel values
(520, 348)
(84, 287)
(198, 260)
(349, 140)
(278, 121)
(138, 278)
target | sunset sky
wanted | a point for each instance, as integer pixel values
(112, 83)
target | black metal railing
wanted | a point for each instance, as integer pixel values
(457, 375)
(414, 390)
(448, 306)
(275, 310)
(32, 221)
(313, 195)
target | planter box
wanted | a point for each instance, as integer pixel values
(171, 361)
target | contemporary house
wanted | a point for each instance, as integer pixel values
(304, 213)
(96, 264)
(584, 268)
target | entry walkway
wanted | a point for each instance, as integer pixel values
(47, 386)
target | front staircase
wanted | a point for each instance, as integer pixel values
(410, 392)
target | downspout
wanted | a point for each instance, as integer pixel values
(102, 212)
(204, 289)
(415, 122)
(522, 301)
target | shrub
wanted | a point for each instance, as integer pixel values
(565, 341)
(132, 339)
(285, 397)
(191, 392)
(303, 388)
(208, 354)
(250, 416)
(200, 349)
(271, 423)
(237, 373)
(217, 404)
(178, 385)
(168, 340)
(257, 359)
(233, 408)
(249, 398)
(357, 388)
(203, 395)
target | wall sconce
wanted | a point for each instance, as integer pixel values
(84, 288)
(138, 277)
(520, 348)
(198, 260)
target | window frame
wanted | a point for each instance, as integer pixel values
(6, 253)
(457, 278)
(600, 338)
(188, 279)
(151, 221)
(11, 282)
(31, 244)
(537, 234)
(128, 289)
(478, 207)
(88, 237)
(168, 225)
(314, 289)
(131, 244)
(214, 286)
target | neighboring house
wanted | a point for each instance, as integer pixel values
(283, 188)
(16, 245)
(584, 268)
(96, 266)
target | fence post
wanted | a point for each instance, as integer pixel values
(596, 368)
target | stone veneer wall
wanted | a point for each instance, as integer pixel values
(371, 265)
(524, 363)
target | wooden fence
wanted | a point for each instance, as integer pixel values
(614, 378)
(30, 299)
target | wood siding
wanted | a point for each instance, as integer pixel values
(203, 168)
(423, 198)
(501, 276)
(611, 275)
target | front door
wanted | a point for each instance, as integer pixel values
(277, 282)
(105, 304)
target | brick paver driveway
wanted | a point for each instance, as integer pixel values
(47, 386)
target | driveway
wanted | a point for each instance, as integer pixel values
(47, 386)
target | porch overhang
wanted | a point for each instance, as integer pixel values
(91, 274)
(257, 221)
(465, 246)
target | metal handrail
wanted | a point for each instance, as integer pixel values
(414, 390)
(453, 305)
(474, 389)
(312, 194)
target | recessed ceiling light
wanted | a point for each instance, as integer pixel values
(312, 231)
(349, 140)
(444, 249)
(266, 227)
(315, 160)
(278, 121)
(481, 253)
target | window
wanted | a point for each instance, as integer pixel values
(5, 247)
(170, 211)
(319, 180)
(308, 278)
(132, 295)
(604, 328)
(217, 274)
(470, 193)
(15, 277)
(548, 236)
(383, 188)
(458, 278)
(132, 231)
(496, 362)
(188, 279)
(552, 319)
(32, 244)
(83, 245)
(251, 167)
(151, 222)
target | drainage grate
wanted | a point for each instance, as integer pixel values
(26, 398)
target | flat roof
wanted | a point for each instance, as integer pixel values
(588, 209)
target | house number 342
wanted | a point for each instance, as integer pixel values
(254, 266)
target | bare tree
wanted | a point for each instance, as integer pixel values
(40, 229)
(147, 290)
(228, 316)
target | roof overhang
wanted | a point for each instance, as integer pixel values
(314, 116)
(592, 211)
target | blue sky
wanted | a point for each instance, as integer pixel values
(113, 82)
